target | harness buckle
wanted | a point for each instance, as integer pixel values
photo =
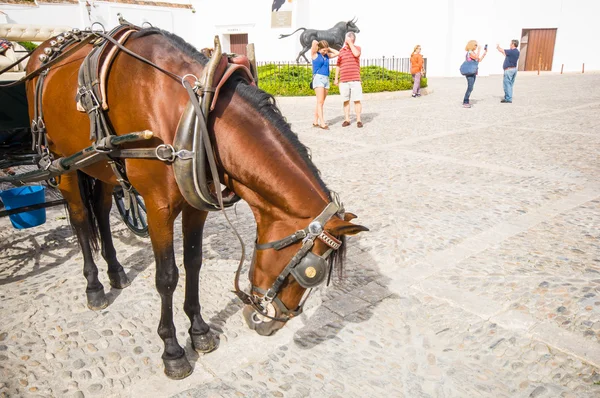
(196, 82)
(173, 155)
(170, 157)
(269, 296)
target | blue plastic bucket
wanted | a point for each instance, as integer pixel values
(25, 196)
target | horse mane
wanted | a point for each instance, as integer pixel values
(266, 106)
(176, 41)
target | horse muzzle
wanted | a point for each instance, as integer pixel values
(260, 323)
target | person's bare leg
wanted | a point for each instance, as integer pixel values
(316, 122)
(321, 94)
(347, 111)
(357, 110)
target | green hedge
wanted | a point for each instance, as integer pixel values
(29, 46)
(293, 80)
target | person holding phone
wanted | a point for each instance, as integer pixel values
(473, 55)
(510, 69)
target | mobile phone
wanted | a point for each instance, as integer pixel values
(485, 48)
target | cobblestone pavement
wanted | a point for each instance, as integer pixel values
(480, 276)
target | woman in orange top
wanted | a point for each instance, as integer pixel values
(416, 70)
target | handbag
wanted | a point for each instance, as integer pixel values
(469, 68)
(311, 82)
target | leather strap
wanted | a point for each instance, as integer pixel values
(282, 243)
(84, 41)
(322, 218)
(138, 57)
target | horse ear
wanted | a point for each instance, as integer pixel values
(342, 227)
(349, 216)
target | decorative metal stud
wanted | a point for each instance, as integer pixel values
(76, 31)
(67, 35)
(53, 43)
(43, 58)
(311, 272)
(48, 50)
(60, 39)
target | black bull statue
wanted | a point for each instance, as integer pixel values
(334, 36)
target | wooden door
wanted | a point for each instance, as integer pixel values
(540, 49)
(238, 43)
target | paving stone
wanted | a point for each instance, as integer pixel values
(347, 305)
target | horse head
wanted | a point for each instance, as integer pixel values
(282, 277)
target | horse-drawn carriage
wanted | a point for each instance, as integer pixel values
(191, 135)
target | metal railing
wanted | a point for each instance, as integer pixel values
(293, 72)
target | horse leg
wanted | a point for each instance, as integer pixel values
(160, 226)
(102, 205)
(75, 193)
(203, 340)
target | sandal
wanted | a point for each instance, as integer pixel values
(315, 125)
(325, 127)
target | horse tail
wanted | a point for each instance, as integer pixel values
(89, 189)
(282, 36)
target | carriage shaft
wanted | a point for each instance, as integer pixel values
(83, 158)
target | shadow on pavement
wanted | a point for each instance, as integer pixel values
(350, 299)
(366, 118)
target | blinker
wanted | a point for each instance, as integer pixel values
(312, 270)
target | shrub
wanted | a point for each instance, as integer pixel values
(29, 46)
(293, 80)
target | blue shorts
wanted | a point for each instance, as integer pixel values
(321, 81)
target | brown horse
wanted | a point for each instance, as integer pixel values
(259, 158)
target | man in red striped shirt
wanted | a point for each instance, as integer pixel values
(348, 71)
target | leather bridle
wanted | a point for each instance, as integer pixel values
(261, 300)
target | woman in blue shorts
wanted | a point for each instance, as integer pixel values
(321, 53)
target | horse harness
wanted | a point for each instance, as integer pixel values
(189, 154)
(192, 140)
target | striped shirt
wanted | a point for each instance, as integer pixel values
(349, 65)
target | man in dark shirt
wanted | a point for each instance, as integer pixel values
(510, 69)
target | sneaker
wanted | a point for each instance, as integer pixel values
(418, 95)
(414, 95)
(466, 105)
(346, 123)
(506, 102)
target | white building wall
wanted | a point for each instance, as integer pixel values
(178, 20)
(441, 27)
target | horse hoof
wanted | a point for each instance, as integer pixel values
(205, 343)
(119, 279)
(96, 300)
(177, 369)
